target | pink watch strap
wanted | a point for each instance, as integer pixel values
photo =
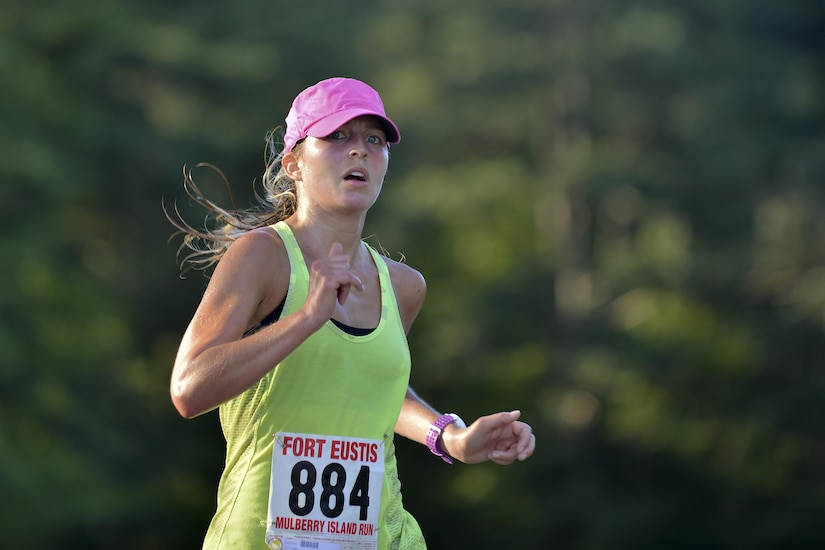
(435, 431)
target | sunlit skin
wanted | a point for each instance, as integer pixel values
(338, 178)
(321, 171)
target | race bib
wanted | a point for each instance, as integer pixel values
(325, 492)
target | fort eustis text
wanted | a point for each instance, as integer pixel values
(331, 448)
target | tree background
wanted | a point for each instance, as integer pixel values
(617, 207)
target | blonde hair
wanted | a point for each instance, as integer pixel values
(206, 246)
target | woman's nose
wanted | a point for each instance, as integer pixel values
(358, 148)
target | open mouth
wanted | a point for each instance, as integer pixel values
(356, 176)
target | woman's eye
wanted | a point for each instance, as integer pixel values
(375, 140)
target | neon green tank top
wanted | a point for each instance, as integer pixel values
(334, 384)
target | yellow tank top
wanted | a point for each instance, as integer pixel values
(333, 384)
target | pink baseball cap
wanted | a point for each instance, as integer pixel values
(323, 108)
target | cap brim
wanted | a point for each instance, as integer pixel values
(329, 124)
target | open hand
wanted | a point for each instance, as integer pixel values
(500, 437)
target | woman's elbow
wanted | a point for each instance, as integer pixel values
(183, 400)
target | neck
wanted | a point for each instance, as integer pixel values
(316, 236)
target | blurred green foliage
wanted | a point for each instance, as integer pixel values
(617, 207)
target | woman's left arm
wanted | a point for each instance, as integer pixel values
(499, 437)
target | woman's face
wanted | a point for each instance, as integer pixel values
(344, 170)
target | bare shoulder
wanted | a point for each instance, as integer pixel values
(403, 275)
(410, 290)
(255, 269)
(254, 250)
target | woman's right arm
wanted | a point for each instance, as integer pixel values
(215, 362)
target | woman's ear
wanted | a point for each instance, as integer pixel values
(289, 163)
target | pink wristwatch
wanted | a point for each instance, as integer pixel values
(435, 431)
